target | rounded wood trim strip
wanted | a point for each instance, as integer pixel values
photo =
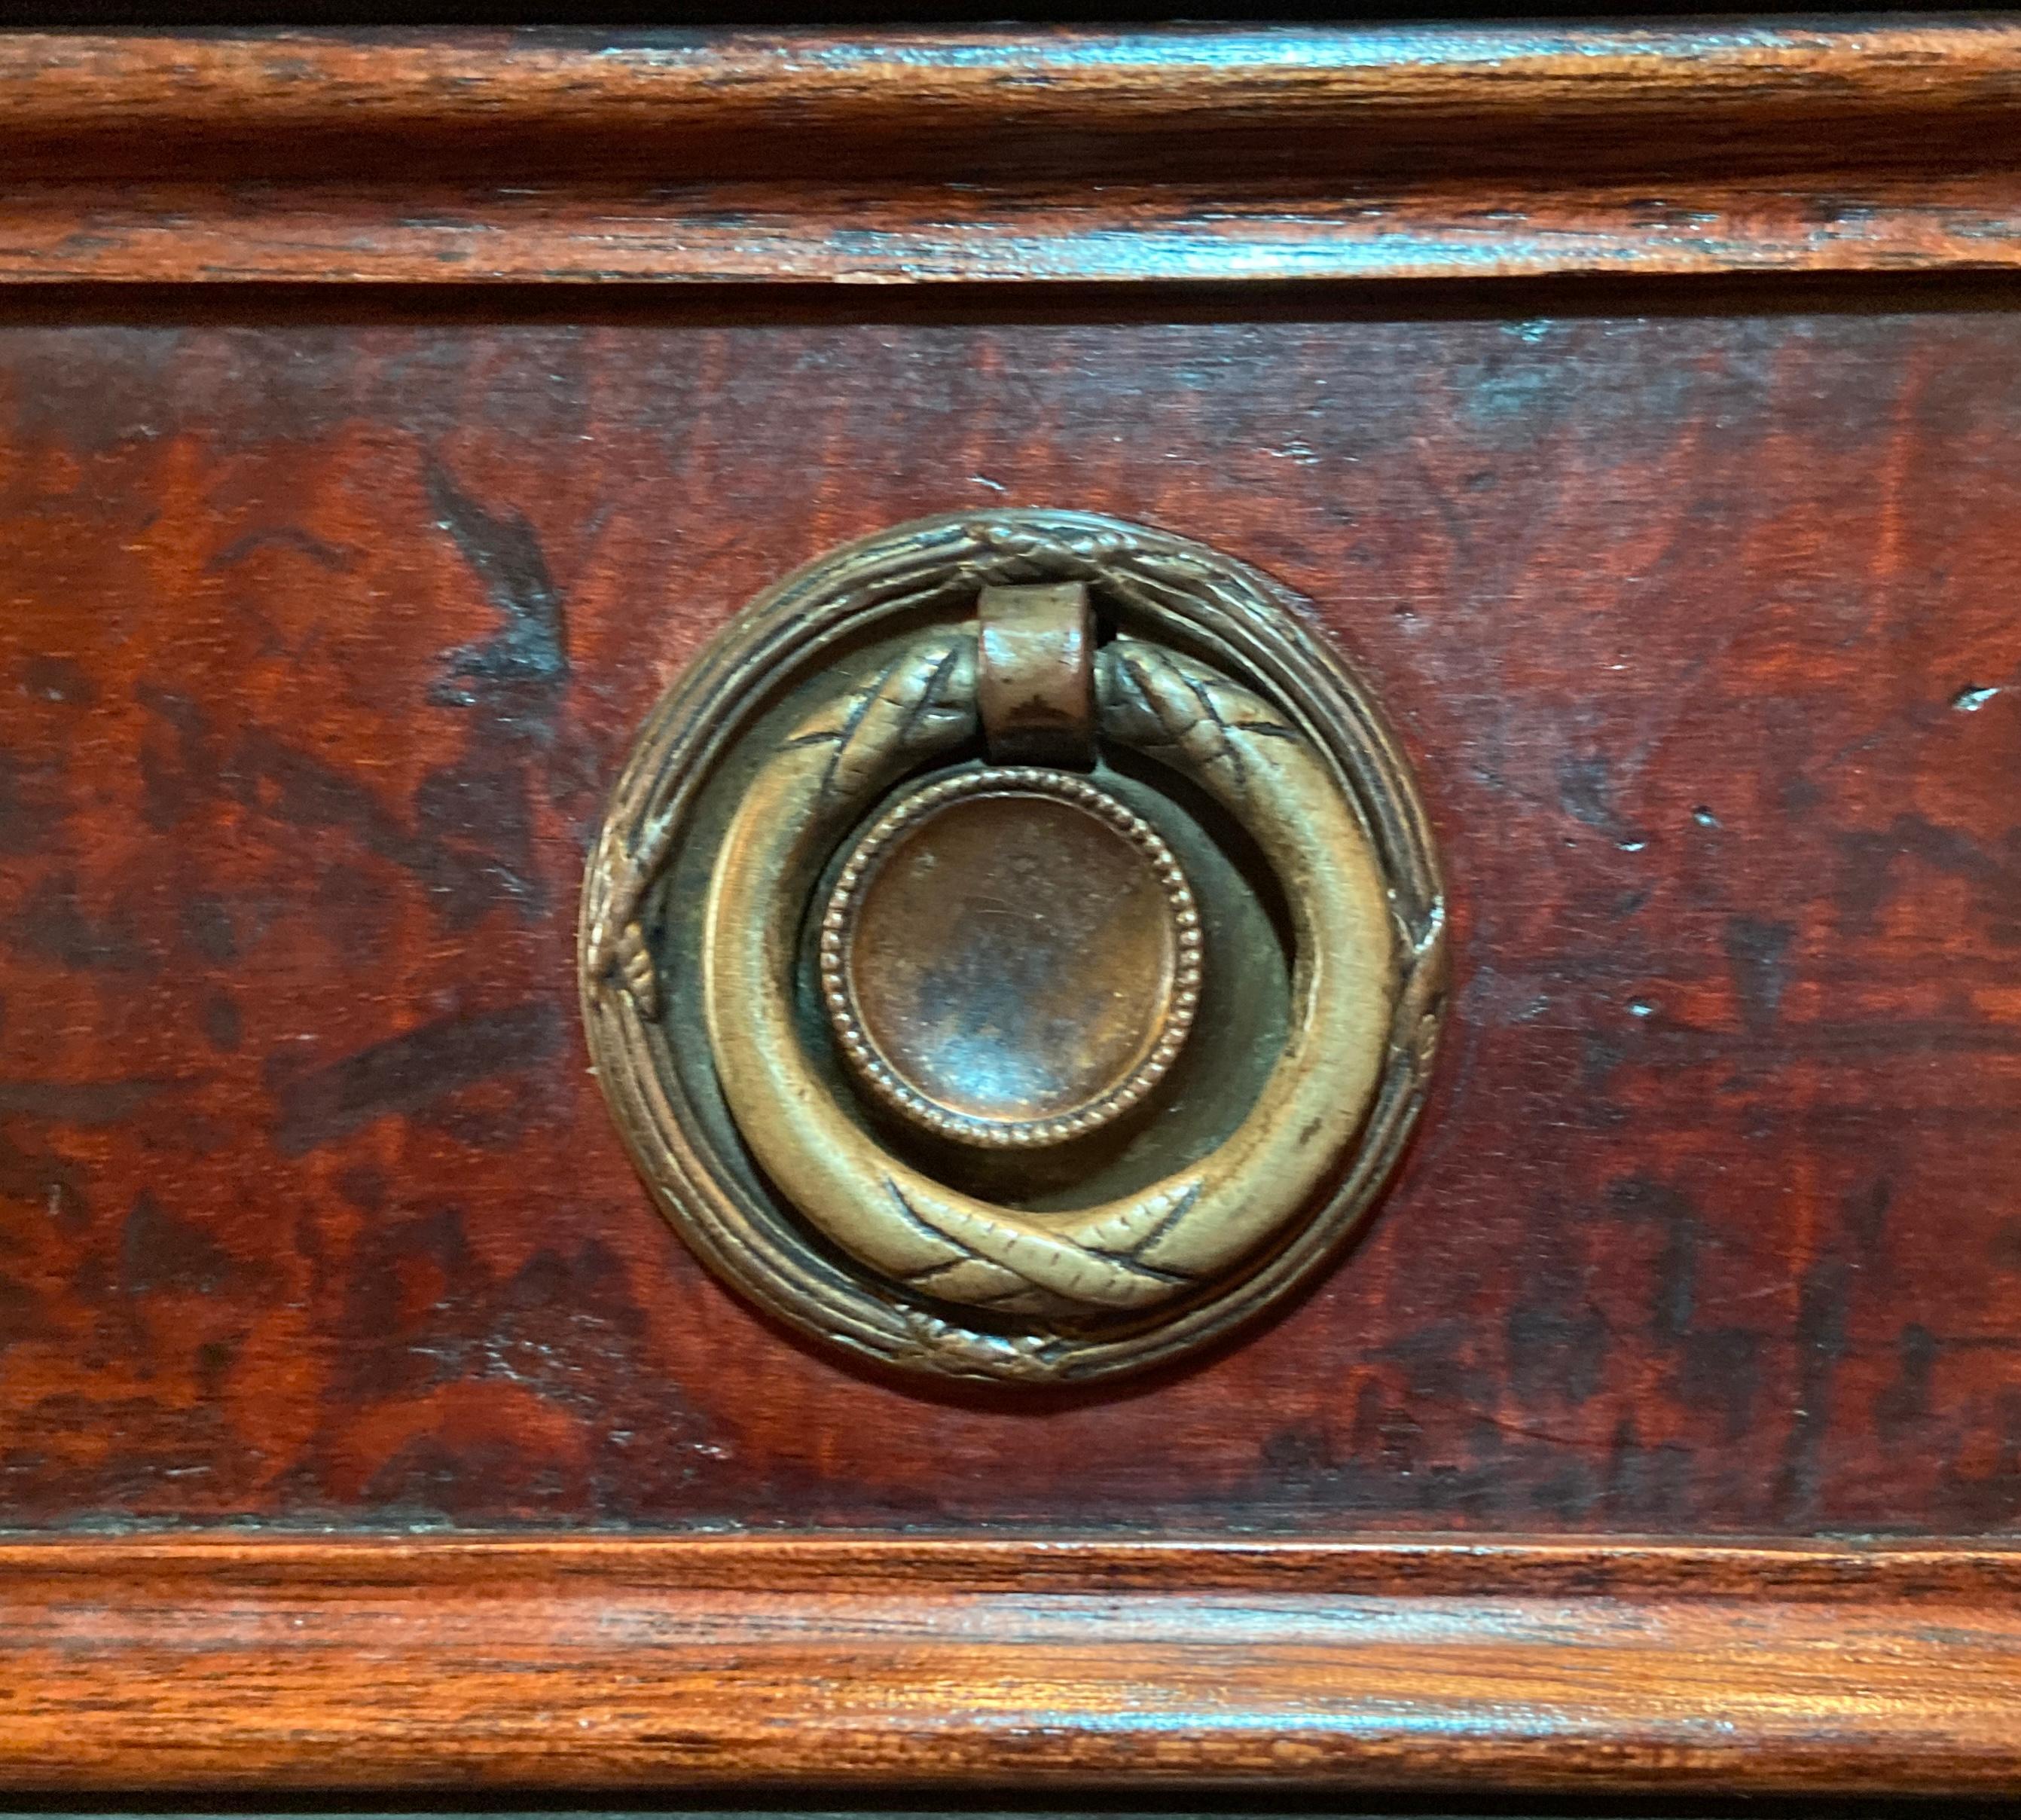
(815, 233)
(1297, 96)
(1432, 1566)
(208, 1662)
(1176, 154)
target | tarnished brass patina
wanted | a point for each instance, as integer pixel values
(1034, 674)
(1011, 957)
(1015, 949)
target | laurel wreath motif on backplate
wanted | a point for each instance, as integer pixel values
(854, 682)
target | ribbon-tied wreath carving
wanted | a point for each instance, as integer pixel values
(847, 697)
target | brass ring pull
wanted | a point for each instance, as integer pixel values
(1143, 1249)
(1015, 949)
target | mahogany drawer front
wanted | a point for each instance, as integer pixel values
(1661, 1428)
(325, 638)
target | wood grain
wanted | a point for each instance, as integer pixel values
(900, 101)
(1203, 155)
(187, 1665)
(321, 644)
(323, 624)
(816, 232)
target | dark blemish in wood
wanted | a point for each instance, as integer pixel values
(26, 826)
(1585, 793)
(54, 925)
(213, 1361)
(565, 1359)
(424, 1480)
(1441, 1362)
(1866, 1213)
(291, 538)
(1796, 793)
(1601, 1054)
(1987, 1489)
(506, 556)
(564, 1327)
(1382, 1431)
(407, 1072)
(354, 910)
(86, 1104)
(1643, 1199)
(1821, 1344)
(1299, 1451)
(489, 805)
(1756, 951)
(1510, 393)
(61, 680)
(48, 1183)
(1567, 1493)
(276, 779)
(1557, 1343)
(1903, 1405)
(1721, 1368)
(1641, 1479)
(411, 1343)
(495, 1118)
(206, 927)
(222, 1028)
(363, 1187)
(161, 1253)
(178, 780)
(1871, 874)
(1584, 790)
(22, 1314)
(465, 883)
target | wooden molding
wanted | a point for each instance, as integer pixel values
(189, 1663)
(1201, 101)
(1196, 155)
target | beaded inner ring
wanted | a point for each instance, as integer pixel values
(1010, 957)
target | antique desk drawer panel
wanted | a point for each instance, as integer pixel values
(324, 639)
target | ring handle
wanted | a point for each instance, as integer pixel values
(1147, 1248)
(990, 867)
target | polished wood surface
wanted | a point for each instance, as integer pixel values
(328, 608)
(323, 642)
(584, 1664)
(1735, 93)
(1213, 155)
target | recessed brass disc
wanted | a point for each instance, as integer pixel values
(1011, 957)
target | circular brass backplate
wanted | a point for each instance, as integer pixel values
(1011, 957)
(815, 1046)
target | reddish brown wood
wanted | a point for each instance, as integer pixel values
(1727, 94)
(321, 636)
(1844, 1575)
(538, 232)
(186, 1665)
(321, 644)
(1211, 154)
